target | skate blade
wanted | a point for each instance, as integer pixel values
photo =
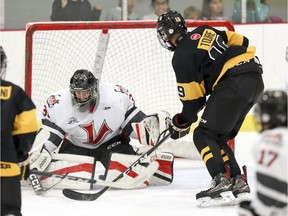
(225, 199)
(241, 197)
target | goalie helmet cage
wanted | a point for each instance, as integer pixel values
(134, 60)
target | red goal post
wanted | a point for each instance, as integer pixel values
(134, 59)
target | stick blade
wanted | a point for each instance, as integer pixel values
(74, 195)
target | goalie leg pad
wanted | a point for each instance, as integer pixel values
(75, 165)
(119, 163)
(162, 176)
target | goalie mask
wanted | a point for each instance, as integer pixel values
(83, 87)
(3, 63)
(271, 110)
(168, 25)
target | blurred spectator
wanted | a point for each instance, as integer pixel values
(159, 7)
(115, 14)
(75, 10)
(213, 10)
(192, 12)
(257, 11)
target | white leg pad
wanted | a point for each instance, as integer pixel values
(75, 165)
(163, 175)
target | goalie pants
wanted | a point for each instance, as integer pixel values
(118, 144)
(10, 196)
(223, 116)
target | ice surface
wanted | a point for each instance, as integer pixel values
(177, 199)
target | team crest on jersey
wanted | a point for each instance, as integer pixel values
(195, 36)
(52, 100)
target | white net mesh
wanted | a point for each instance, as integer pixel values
(134, 59)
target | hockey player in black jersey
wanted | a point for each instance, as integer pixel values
(219, 64)
(18, 131)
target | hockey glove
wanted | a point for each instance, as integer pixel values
(178, 127)
(40, 159)
(24, 169)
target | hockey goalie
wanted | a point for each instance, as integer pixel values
(87, 129)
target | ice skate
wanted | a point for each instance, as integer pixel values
(220, 192)
(241, 189)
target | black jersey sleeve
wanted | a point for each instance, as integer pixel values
(25, 123)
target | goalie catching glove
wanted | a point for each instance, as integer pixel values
(178, 127)
(148, 130)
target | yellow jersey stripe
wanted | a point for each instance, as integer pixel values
(234, 38)
(23, 123)
(8, 169)
(234, 61)
(192, 90)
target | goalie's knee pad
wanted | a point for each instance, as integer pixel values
(162, 175)
(74, 165)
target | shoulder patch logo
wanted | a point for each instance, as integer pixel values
(195, 36)
(52, 100)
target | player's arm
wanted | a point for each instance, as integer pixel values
(25, 125)
(234, 38)
(191, 92)
(48, 139)
(133, 113)
(24, 129)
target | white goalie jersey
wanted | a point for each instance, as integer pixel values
(89, 128)
(271, 171)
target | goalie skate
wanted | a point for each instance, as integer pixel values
(220, 193)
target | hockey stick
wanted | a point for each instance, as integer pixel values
(36, 185)
(71, 194)
(101, 53)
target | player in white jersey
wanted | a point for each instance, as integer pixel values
(89, 119)
(270, 155)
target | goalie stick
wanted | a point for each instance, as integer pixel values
(36, 185)
(101, 53)
(129, 184)
(71, 194)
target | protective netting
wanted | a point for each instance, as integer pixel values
(134, 59)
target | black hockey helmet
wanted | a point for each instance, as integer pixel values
(83, 87)
(271, 109)
(3, 63)
(169, 24)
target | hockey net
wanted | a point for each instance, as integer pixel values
(134, 59)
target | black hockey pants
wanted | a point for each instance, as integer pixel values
(223, 116)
